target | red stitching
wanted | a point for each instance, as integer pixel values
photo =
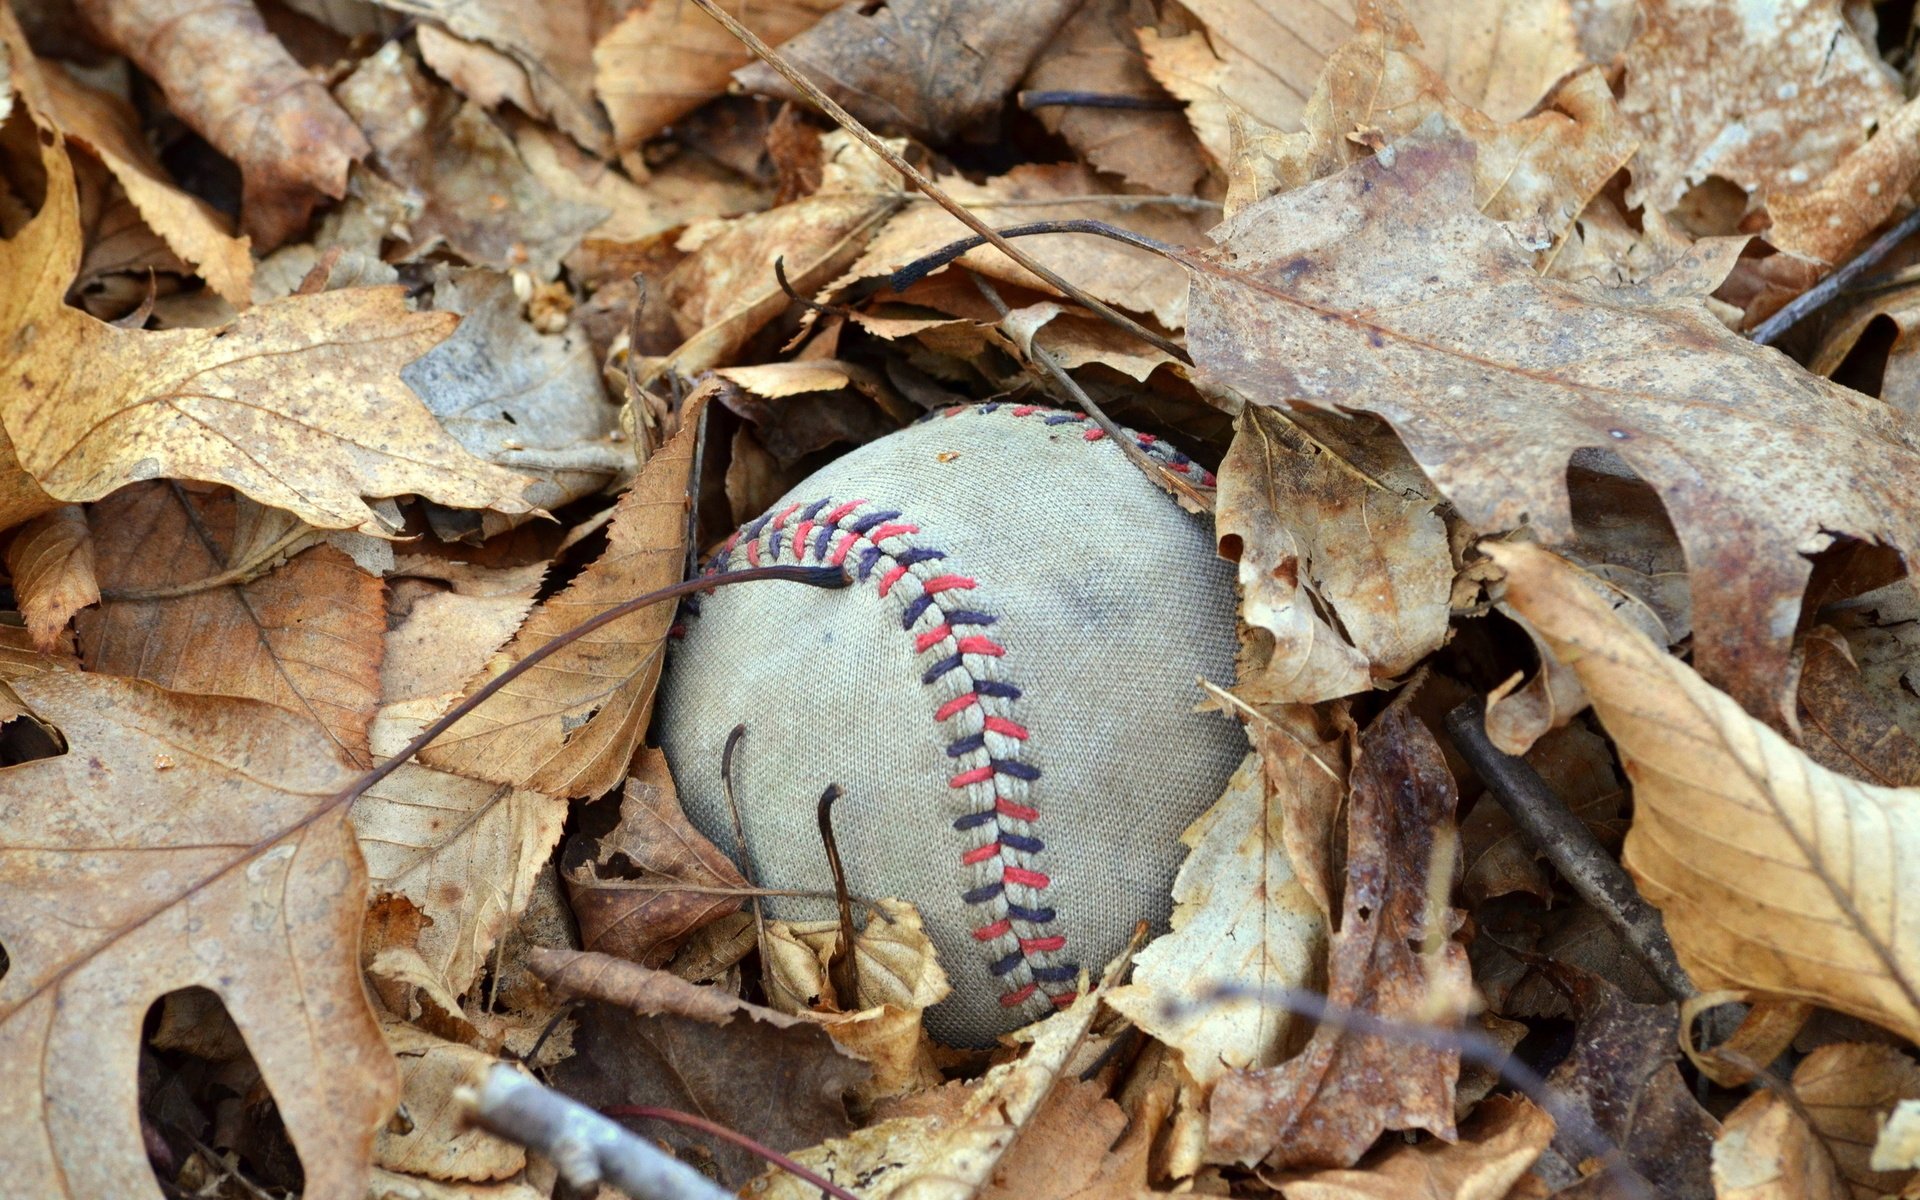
(987, 933)
(947, 583)
(895, 530)
(890, 578)
(968, 778)
(1010, 729)
(978, 644)
(800, 537)
(1024, 877)
(982, 853)
(958, 704)
(1015, 999)
(927, 641)
(789, 511)
(753, 553)
(1019, 812)
(1042, 945)
(839, 554)
(1094, 434)
(1063, 999)
(840, 514)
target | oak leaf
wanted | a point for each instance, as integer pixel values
(296, 403)
(1383, 289)
(180, 841)
(569, 726)
(1774, 874)
(1766, 1152)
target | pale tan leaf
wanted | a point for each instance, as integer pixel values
(569, 726)
(666, 58)
(51, 561)
(1383, 289)
(296, 403)
(1774, 874)
(216, 858)
(777, 379)
(1766, 1152)
(306, 635)
(1241, 917)
(439, 1142)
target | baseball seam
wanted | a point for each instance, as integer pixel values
(1018, 931)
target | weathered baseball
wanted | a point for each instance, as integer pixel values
(1006, 696)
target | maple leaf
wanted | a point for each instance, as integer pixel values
(296, 403)
(180, 841)
(1384, 289)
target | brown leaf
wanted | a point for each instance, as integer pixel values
(1774, 874)
(552, 43)
(1765, 1150)
(1393, 957)
(1098, 51)
(655, 1039)
(215, 857)
(229, 78)
(439, 1142)
(477, 196)
(666, 58)
(1622, 1078)
(1344, 577)
(1824, 221)
(51, 562)
(296, 403)
(1258, 58)
(1843, 724)
(305, 635)
(655, 880)
(1382, 289)
(569, 726)
(1767, 96)
(1240, 916)
(927, 67)
(111, 130)
(1578, 766)
(1496, 1146)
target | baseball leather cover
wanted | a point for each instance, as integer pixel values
(1006, 696)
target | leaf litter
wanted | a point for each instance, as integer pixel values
(352, 354)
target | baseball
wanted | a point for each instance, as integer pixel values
(1006, 696)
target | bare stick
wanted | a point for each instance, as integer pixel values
(587, 1147)
(914, 175)
(1044, 358)
(674, 1116)
(827, 577)
(843, 970)
(1769, 330)
(1030, 100)
(1567, 842)
(927, 264)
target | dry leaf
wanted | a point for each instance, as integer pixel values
(1774, 874)
(1408, 303)
(109, 128)
(1823, 222)
(51, 562)
(666, 58)
(1393, 956)
(440, 1143)
(1765, 1150)
(655, 1039)
(1239, 917)
(1578, 765)
(1344, 577)
(569, 726)
(295, 403)
(1098, 51)
(1259, 58)
(226, 75)
(199, 600)
(1500, 56)
(478, 197)
(655, 880)
(927, 67)
(1767, 96)
(1844, 724)
(1499, 1143)
(216, 858)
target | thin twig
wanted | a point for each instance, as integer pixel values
(1030, 100)
(1115, 199)
(586, 1147)
(829, 310)
(1769, 330)
(919, 179)
(826, 577)
(1567, 842)
(926, 264)
(843, 971)
(740, 834)
(674, 1116)
(1043, 358)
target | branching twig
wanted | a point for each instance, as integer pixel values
(826, 104)
(587, 1147)
(1564, 838)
